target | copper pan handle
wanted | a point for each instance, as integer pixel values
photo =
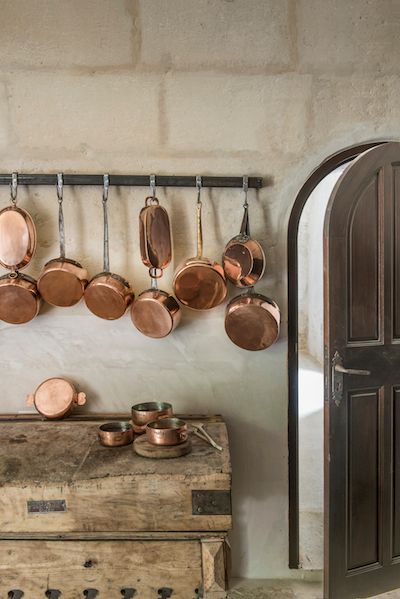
(199, 224)
(30, 400)
(81, 399)
(61, 228)
(106, 245)
(245, 226)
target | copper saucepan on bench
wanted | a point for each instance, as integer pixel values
(199, 283)
(108, 295)
(19, 297)
(62, 281)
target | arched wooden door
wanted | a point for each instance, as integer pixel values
(362, 377)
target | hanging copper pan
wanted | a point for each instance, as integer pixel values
(252, 321)
(62, 281)
(199, 283)
(19, 298)
(244, 259)
(155, 313)
(108, 295)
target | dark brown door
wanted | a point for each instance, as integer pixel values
(362, 381)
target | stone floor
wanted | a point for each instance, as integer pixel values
(286, 589)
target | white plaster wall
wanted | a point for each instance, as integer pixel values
(185, 86)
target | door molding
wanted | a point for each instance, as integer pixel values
(326, 167)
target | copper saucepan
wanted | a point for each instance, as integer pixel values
(244, 259)
(56, 398)
(199, 283)
(155, 313)
(168, 431)
(143, 413)
(252, 321)
(108, 295)
(62, 281)
(19, 297)
(115, 434)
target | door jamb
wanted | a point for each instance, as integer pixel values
(326, 167)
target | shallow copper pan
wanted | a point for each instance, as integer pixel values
(252, 321)
(243, 259)
(55, 398)
(17, 238)
(19, 298)
(155, 235)
(199, 283)
(155, 313)
(62, 282)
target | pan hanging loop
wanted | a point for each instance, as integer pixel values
(61, 229)
(14, 188)
(106, 246)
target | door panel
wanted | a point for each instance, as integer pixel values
(362, 411)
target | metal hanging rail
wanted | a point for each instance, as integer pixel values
(132, 180)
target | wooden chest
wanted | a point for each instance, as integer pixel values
(81, 520)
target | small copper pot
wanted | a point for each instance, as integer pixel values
(155, 313)
(19, 298)
(252, 321)
(243, 258)
(143, 413)
(167, 431)
(115, 434)
(56, 398)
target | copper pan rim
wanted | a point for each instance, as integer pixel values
(200, 284)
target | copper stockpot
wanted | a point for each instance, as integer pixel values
(55, 398)
(252, 321)
(143, 413)
(108, 295)
(155, 313)
(244, 259)
(19, 298)
(168, 431)
(115, 434)
(62, 281)
(199, 283)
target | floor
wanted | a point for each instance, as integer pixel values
(286, 589)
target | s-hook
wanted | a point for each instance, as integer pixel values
(14, 188)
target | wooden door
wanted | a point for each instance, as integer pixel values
(362, 408)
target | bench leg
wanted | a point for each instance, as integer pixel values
(215, 557)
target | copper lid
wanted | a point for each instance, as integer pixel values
(155, 235)
(55, 397)
(17, 238)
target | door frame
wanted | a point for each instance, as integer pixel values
(327, 166)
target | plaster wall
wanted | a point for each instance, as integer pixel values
(185, 86)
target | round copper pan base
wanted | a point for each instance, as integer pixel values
(200, 285)
(62, 282)
(17, 238)
(19, 299)
(252, 322)
(244, 262)
(155, 313)
(108, 296)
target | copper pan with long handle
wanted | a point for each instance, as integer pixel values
(62, 281)
(199, 283)
(19, 297)
(155, 313)
(243, 258)
(108, 295)
(252, 321)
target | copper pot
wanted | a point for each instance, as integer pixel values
(244, 259)
(143, 413)
(62, 281)
(115, 434)
(252, 321)
(199, 283)
(19, 298)
(168, 431)
(108, 295)
(155, 313)
(55, 398)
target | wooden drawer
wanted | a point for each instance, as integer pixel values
(56, 477)
(189, 568)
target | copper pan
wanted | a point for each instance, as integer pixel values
(108, 295)
(199, 283)
(56, 398)
(62, 281)
(19, 298)
(167, 431)
(244, 259)
(155, 313)
(143, 413)
(115, 434)
(252, 321)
